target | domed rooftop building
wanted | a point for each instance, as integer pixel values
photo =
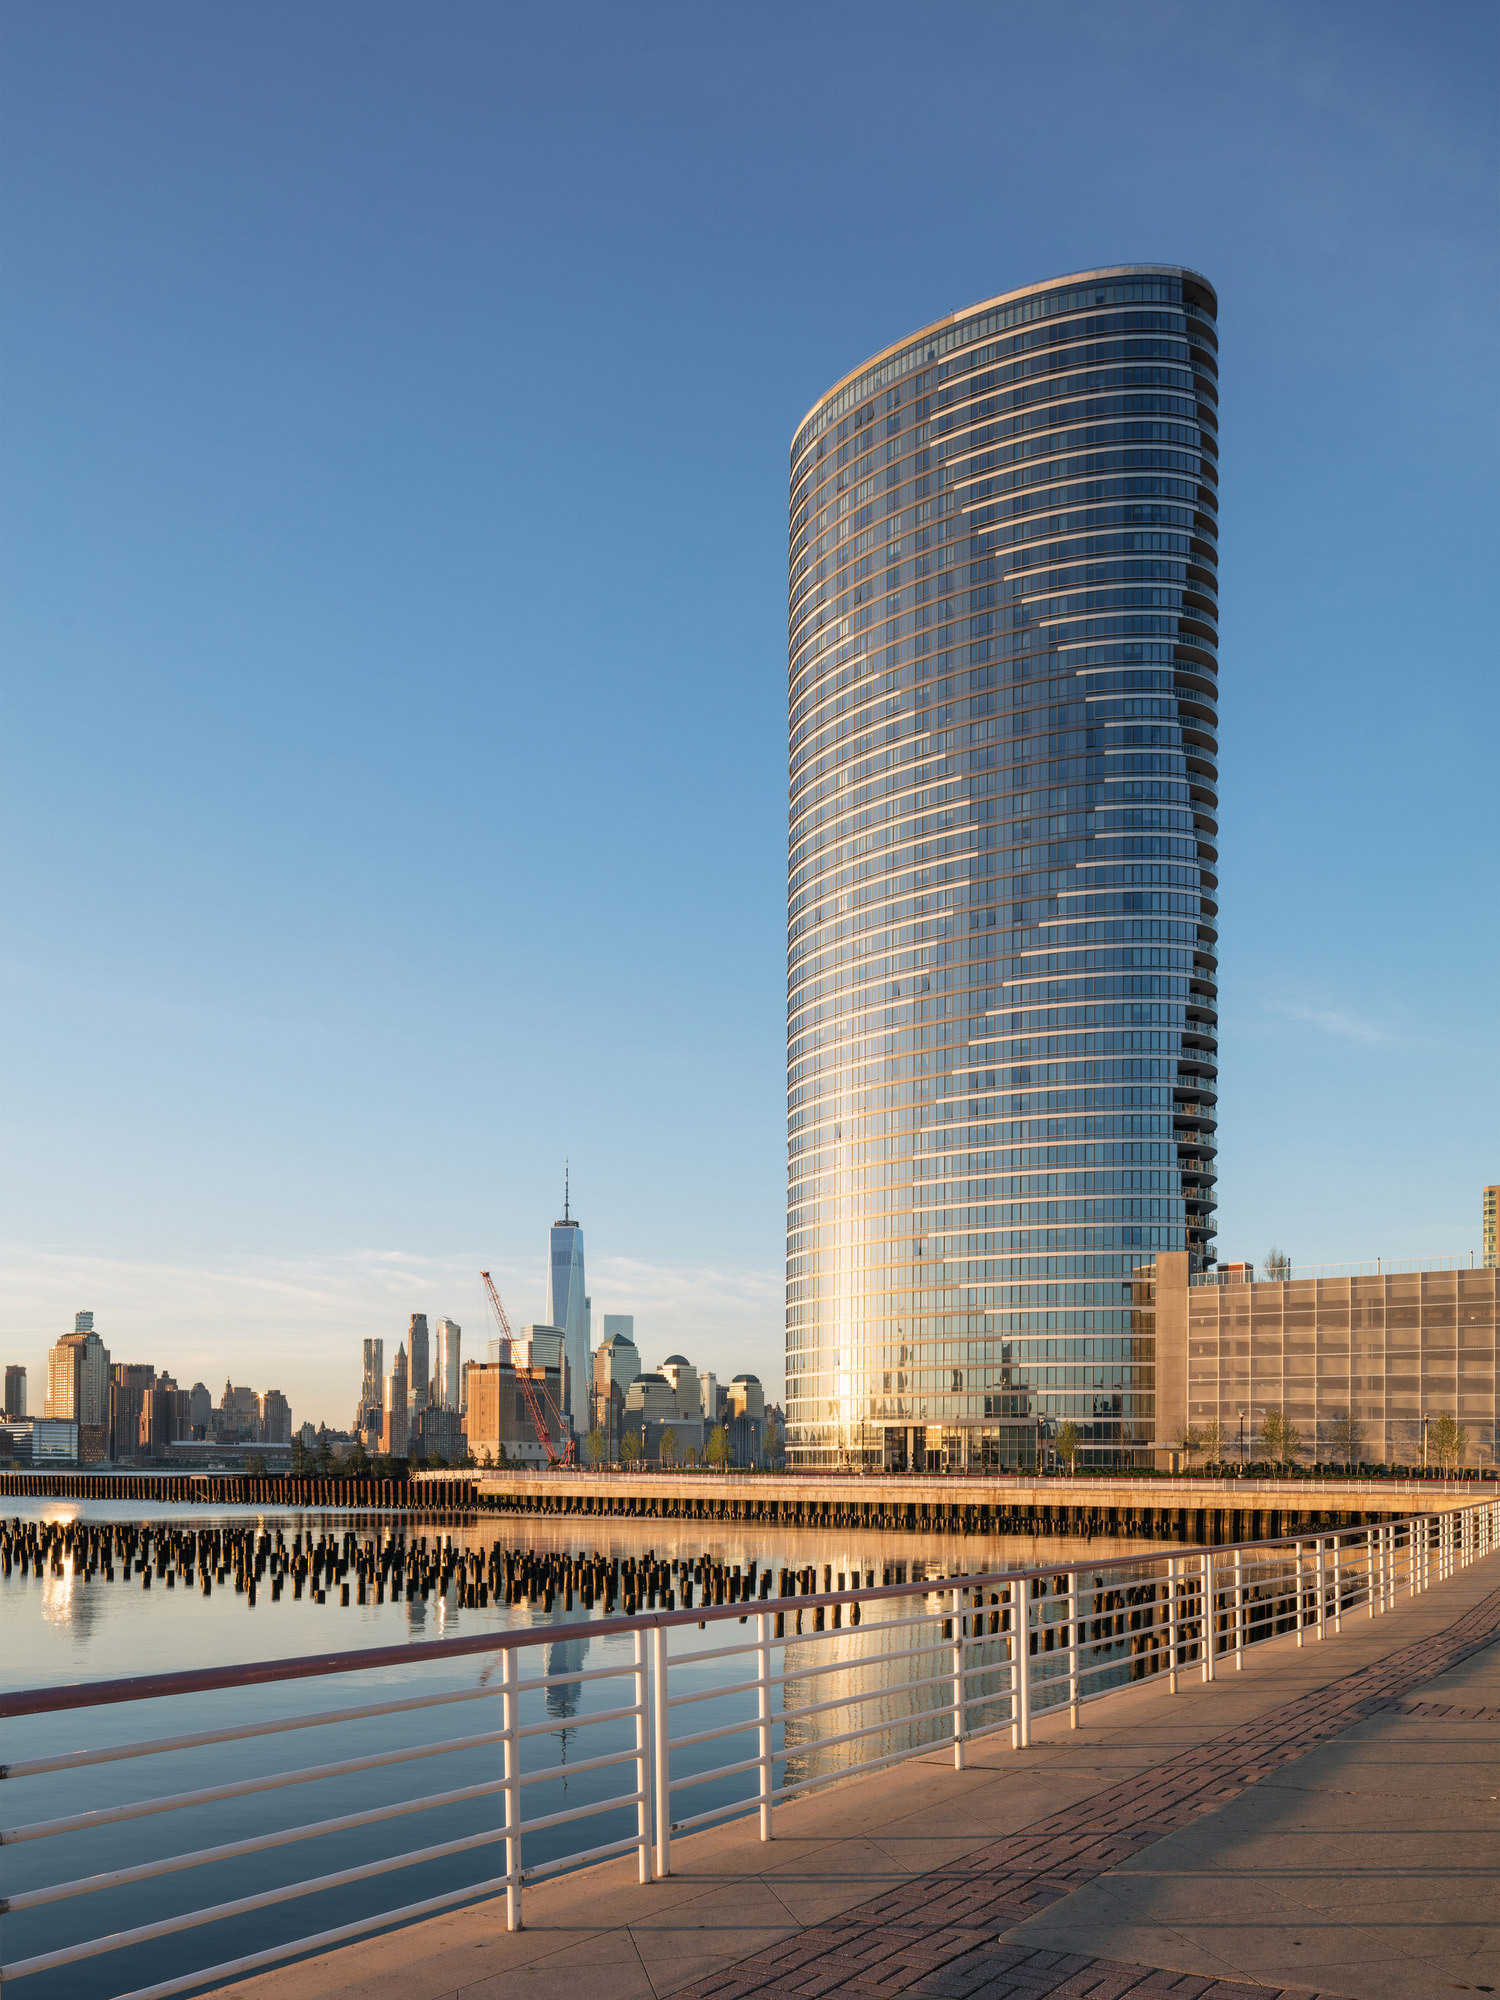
(688, 1390)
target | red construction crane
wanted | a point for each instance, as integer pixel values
(555, 1455)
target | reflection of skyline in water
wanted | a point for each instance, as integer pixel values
(59, 1627)
(62, 1628)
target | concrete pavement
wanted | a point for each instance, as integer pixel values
(1250, 1829)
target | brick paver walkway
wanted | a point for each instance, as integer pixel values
(941, 1936)
(1433, 1711)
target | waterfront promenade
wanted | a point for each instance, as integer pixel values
(1184, 1508)
(1325, 1821)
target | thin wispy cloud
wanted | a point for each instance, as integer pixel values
(1333, 1020)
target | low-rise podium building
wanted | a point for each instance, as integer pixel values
(1384, 1348)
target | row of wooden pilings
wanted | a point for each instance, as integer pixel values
(236, 1489)
(1161, 1523)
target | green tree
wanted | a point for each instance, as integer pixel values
(1276, 1264)
(718, 1447)
(630, 1450)
(597, 1447)
(1190, 1441)
(1067, 1444)
(774, 1444)
(1346, 1439)
(1211, 1439)
(666, 1450)
(358, 1460)
(1447, 1441)
(1279, 1439)
(255, 1465)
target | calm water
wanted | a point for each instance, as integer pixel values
(63, 1630)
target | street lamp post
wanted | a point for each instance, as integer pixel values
(1425, 1422)
(1244, 1442)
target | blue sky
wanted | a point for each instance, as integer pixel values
(396, 404)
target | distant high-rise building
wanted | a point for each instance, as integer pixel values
(447, 1368)
(617, 1362)
(130, 1386)
(417, 1373)
(440, 1434)
(275, 1418)
(746, 1419)
(710, 1404)
(683, 1376)
(237, 1419)
(394, 1431)
(78, 1378)
(15, 1392)
(369, 1414)
(746, 1396)
(567, 1305)
(200, 1411)
(1002, 873)
(1491, 1228)
(164, 1418)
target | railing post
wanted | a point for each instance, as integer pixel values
(1299, 1594)
(763, 1718)
(643, 1760)
(510, 1770)
(661, 1754)
(1387, 1565)
(1322, 1594)
(1338, 1584)
(1172, 1624)
(1023, 1664)
(1210, 1620)
(1239, 1611)
(1075, 1609)
(1370, 1571)
(960, 1706)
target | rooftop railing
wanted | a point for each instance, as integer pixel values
(1379, 1267)
(790, 1693)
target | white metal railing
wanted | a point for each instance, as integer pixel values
(1374, 1267)
(825, 1686)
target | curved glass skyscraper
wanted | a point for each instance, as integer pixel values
(1002, 917)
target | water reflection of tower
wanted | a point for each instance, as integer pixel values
(565, 1656)
(68, 1600)
(893, 1684)
(416, 1613)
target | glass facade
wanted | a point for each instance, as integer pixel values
(1002, 917)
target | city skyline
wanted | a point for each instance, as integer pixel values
(374, 1307)
(277, 832)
